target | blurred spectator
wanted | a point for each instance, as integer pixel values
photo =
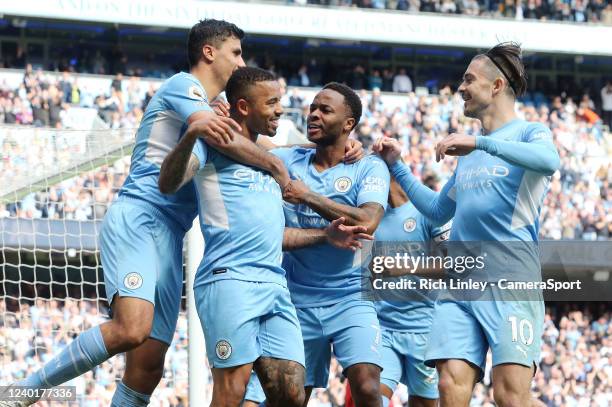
(606, 103)
(401, 82)
(579, 11)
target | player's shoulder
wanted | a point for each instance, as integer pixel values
(372, 160)
(371, 163)
(536, 130)
(185, 82)
(295, 152)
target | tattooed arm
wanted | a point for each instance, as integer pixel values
(179, 167)
(336, 233)
(368, 214)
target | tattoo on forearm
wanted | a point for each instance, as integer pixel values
(295, 238)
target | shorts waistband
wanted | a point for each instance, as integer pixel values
(160, 214)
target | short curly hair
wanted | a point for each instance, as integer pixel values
(351, 99)
(242, 79)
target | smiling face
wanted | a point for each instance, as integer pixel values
(476, 88)
(264, 108)
(329, 117)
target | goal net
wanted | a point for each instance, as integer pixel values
(56, 187)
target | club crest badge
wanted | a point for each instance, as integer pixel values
(343, 184)
(410, 225)
(133, 281)
(223, 349)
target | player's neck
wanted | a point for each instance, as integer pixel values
(328, 156)
(245, 130)
(397, 196)
(496, 117)
(210, 85)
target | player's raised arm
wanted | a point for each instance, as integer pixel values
(180, 165)
(246, 152)
(337, 234)
(353, 149)
(439, 207)
(536, 153)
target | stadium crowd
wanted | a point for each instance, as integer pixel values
(575, 368)
(578, 205)
(595, 11)
(42, 100)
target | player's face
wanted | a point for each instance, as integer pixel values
(327, 118)
(228, 58)
(476, 89)
(265, 108)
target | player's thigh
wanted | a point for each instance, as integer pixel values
(254, 394)
(456, 335)
(129, 252)
(317, 349)
(421, 379)
(280, 334)
(282, 380)
(230, 313)
(355, 333)
(169, 286)
(391, 362)
(513, 330)
(230, 383)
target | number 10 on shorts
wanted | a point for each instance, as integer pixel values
(524, 328)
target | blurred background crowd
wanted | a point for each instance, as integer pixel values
(556, 10)
(575, 368)
(72, 94)
(577, 206)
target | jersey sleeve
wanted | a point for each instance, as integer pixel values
(437, 206)
(200, 150)
(440, 234)
(373, 185)
(535, 152)
(185, 96)
(284, 153)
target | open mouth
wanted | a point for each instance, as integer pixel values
(313, 128)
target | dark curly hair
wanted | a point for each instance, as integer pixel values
(209, 31)
(243, 78)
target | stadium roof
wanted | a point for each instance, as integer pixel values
(332, 23)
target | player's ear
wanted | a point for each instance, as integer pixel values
(242, 106)
(208, 53)
(348, 124)
(498, 85)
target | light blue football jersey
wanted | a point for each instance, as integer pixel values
(324, 275)
(163, 124)
(242, 220)
(488, 197)
(406, 224)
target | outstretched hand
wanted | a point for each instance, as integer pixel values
(353, 151)
(294, 191)
(220, 107)
(346, 237)
(214, 128)
(389, 149)
(455, 144)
